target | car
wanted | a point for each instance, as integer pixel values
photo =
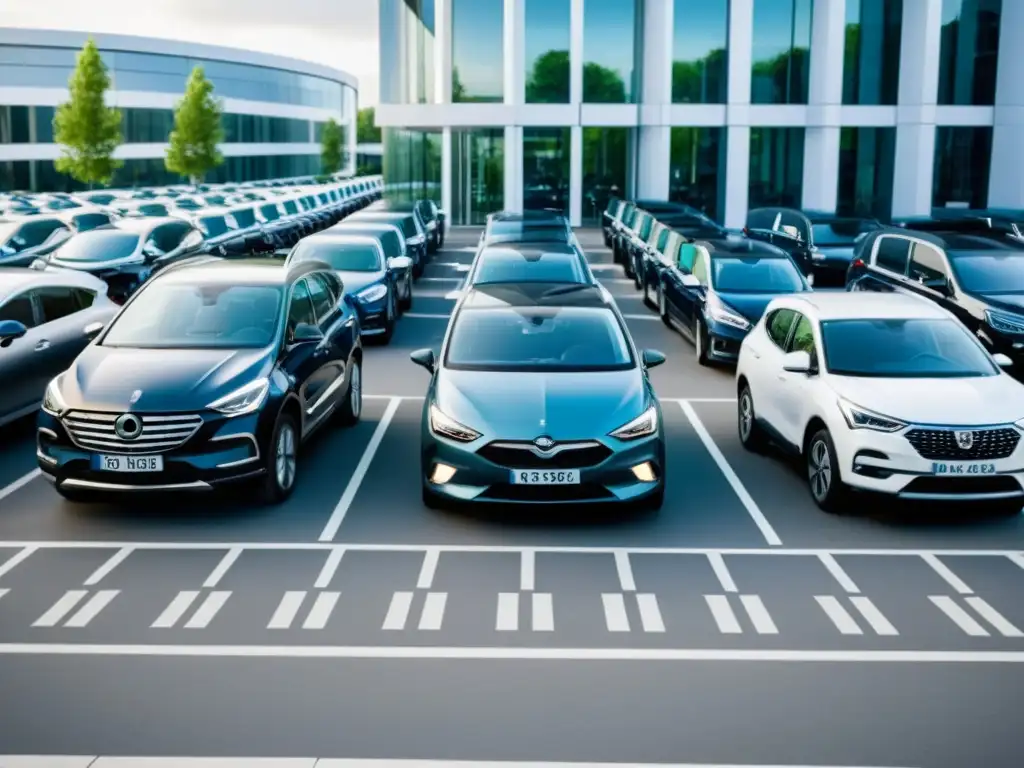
(221, 233)
(378, 286)
(885, 393)
(718, 290)
(46, 319)
(785, 228)
(834, 239)
(80, 220)
(528, 227)
(529, 263)
(632, 237)
(647, 258)
(610, 217)
(538, 395)
(213, 374)
(431, 218)
(24, 239)
(412, 229)
(391, 239)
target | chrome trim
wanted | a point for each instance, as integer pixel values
(43, 457)
(96, 431)
(558, 448)
(95, 486)
(247, 435)
(962, 496)
(333, 387)
(238, 463)
(47, 432)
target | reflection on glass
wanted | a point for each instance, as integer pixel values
(478, 173)
(871, 60)
(546, 169)
(866, 163)
(968, 54)
(699, 66)
(478, 72)
(547, 51)
(609, 50)
(781, 52)
(697, 171)
(776, 167)
(962, 159)
(412, 164)
(604, 168)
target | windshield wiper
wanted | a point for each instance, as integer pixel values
(561, 291)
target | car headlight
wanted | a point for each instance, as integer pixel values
(861, 418)
(1004, 323)
(416, 240)
(373, 293)
(53, 401)
(243, 400)
(444, 425)
(643, 425)
(725, 314)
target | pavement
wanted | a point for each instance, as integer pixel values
(350, 625)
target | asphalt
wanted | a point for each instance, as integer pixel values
(739, 625)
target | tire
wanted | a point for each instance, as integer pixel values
(390, 319)
(824, 480)
(663, 308)
(282, 452)
(351, 408)
(751, 434)
(700, 343)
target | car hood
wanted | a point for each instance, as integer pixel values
(967, 401)
(354, 282)
(524, 406)
(106, 378)
(1008, 302)
(750, 305)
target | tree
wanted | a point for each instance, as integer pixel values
(197, 130)
(331, 151)
(602, 85)
(367, 131)
(88, 130)
(549, 79)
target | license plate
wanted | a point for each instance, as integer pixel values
(545, 477)
(963, 468)
(129, 463)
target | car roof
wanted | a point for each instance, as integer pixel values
(372, 226)
(503, 295)
(530, 249)
(260, 271)
(864, 305)
(144, 224)
(327, 236)
(18, 278)
(526, 216)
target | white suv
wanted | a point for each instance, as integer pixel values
(886, 393)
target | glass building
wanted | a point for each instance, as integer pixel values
(873, 107)
(274, 108)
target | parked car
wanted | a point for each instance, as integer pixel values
(391, 240)
(529, 263)
(785, 228)
(412, 229)
(430, 216)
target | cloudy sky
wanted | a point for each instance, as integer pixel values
(339, 33)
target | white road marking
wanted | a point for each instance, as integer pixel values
(650, 614)
(641, 317)
(3, 592)
(433, 611)
(22, 481)
(625, 571)
(222, 567)
(118, 557)
(175, 609)
(452, 295)
(207, 610)
(321, 611)
(398, 611)
(844, 622)
(758, 614)
(721, 570)
(61, 608)
(15, 560)
(543, 619)
(330, 567)
(508, 612)
(427, 570)
(874, 617)
(833, 567)
(338, 516)
(92, 608)
(416, 316)
(287, 609)
(527, 571)
(92, 761)
(615, 612)
(947, 575)
(723, 614)
(737, 486)
(993, 617)
(959, 616)
(1015, 558)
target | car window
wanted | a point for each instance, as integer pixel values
(803, 336)
(662, 239)
(778, 325)
(687, 254)
(323, 301)
(19, 308)
(893, 254)
(300, 309)
(655, 233)
(700, 267)
(334, 285)
(59, 301)
(645, 226)
(86, 221)
(926, 263)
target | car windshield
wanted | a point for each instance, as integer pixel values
(246, 217)
(538, 339)
(291, 207)
(213, 226)
(106, 245)
(219, 315)
(270, 212)
(517, 233)
(754, 275)
(919, 348)
(509, 266)
(87, 221)
(6, 230)
(991, 272)
(152, 209)
(341, 256)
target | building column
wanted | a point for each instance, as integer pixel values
(825, 98)
(737, 134)
(446, 173)
(442, 51)
(514, 42)
(513, 155)
(654, 142)
(915, 116)
(1006, 181)
(576, 53)
(576, 175)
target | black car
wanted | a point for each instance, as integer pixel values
(284, 231)
(214, 373)
(610, 218)
(23, 240)
(646, 257)
(529, 263)
(785, 228)
(391, 239)
(412, 229)
(833, 239)
(970, 269)
(431, 217)
(221, 233)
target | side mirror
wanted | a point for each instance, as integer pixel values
(424, 358)
(652, 358)
(400, 263)
(1003, 361)
(11, 330)
(92, 330)
(304, 332)
(790, 231)
(797, 362)
(942, 285)
(689, 281)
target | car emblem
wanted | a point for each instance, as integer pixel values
(964, 440)
(128, 426)
(544, 443)
(135, 397)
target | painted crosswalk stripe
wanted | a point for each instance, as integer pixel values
(428, 569)
(287, 610)
(508, 612)
(433, 611)
(207, 610)
(993, 617)
(625, 572)
(398, 611)
(11, 563)
(959, 616)
(92, 608)
(175, 609)
(615, 612)
(874, 617)
(115, 560)
(526, 570)
(543, 612)
(947, 575)
(61, 608)
(330, 567)
(839, 615)
(723, 614)
(721, 570)
(840, 575)
(321, 611)
(650, 614)
(222, 567)
(759, 617)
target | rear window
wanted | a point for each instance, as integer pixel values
(246, 217)
(343, 257)
(531, 233)
(213, 226)
(510, 266)
(106, 245)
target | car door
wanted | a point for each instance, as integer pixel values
(672, 281)
(22, 369)
(692, 301)
(64, 324)
(304, 360)
(794, 391)
(766, 348)
(331, 354)
(889, 264)
(930, 277)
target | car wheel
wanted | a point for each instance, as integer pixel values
(826, 484)
(700, 342)
(281, 461)
(351, 407)
(406, 303)
(751, 434)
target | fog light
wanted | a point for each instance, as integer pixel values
(644, 472)
(442, 474)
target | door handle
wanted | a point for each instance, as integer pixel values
(755, 355)
(44, 344)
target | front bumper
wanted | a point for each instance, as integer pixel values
(723, 340)
(373, 316)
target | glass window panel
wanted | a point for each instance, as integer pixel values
(604, 168)
(968, 54)
(28, 76)
(546, 169)
(609, 51)
(871, 62)
(411, 164)
(781, 52)
(478, 67)
(866, 162)
(963, 156)
(124, 61)
(478, 174)
(699, 51)
(547, 51)
(38, 56)
(697, 172)
(776, 167)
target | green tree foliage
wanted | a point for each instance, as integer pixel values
(549, 79)
(458, 89)
(703, 81)
(332, 148)
(86, 128)
(367, 131)
(197, 130)
(602, 85)
(782, 79)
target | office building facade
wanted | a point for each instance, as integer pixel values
(875, 107)
(274, 107)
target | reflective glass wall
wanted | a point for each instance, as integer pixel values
(866, 169)
(871, 59)
(412, 164)
(546, 169)
(610, 50)
(697, 174)
(605, 163)
(700, 51)
(776, 166)
(781, 52)
(969, 51)
(547, 51)
(963, 156)
(478, 72)
(478, 174)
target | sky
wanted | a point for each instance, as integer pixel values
(338, 33)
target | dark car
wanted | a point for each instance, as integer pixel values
(528, 227)
(632, 239)
(256, 239)
(284, 230)
(412, 229)
(215, 372)
(965, 266)
(221, 233)
(529, 263)
(23, 240)
(391, 239)
(719, 289)
(538, 395)
(431, 217)
(833, 239)
(647, 258)
(610, 217)
(785, 228)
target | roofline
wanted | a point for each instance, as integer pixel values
(54, 38)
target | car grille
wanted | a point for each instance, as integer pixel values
(516, 455)
(95, 431)
(941, 444)
(550, 494)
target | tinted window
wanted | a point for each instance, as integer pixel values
(406, 223)
(33, 234)
(645, 226)
(323, 301)
(926, 263)
(169, 236)
(662, 239)
(803, 336)
(538, 338)
(152, 209)
(739, 275)
(246, 217)
(893, 254)
(105, 245)
(87, 221)
(508, 266)
(344, 257)
(291, 207)
(836, 233)
(990, 273)
(213, 226)
(20, 309)
(270, 212)
(517, 233)
(919, 348)
(58, 302)
(778, 324)
(687, 254)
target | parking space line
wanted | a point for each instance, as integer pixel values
(287, 609)
(840, 616)
(3, 592)
(615, 612)
(321, 611)
(222, 567)
(92, 608)
(543, 619)
(207, 610)
(947, 575)
(22, 481)
(15, 560)
(730, 475)
(1015, 558)
(338, 516)
(118, 557)
(833, 567)
(758, 614)
(508, 612)
(527, 570)
(625, 572)
(398, 611)
(874, 617)
(175, 609)
(641, 317)
(426, 577)
(61, 608)
(433, 611)
(330, 567)
(959, 616)
(721, 571)
(650, 614)
(993, 617)
(723, 614)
